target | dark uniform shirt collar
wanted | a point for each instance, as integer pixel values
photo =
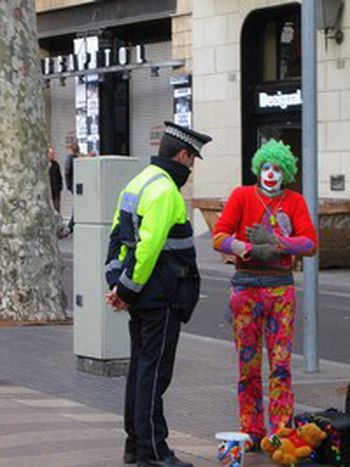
(178, 172)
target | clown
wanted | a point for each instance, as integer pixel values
(264, 226)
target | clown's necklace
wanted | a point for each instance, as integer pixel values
(272, 214)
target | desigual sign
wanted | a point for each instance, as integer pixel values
(279, 100)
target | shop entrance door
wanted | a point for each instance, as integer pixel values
(290, 135)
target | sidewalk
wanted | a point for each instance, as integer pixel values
(52, 415)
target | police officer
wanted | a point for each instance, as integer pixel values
(151, 271)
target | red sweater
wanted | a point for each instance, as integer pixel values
(246, 206)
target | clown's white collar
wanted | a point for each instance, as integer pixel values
(270, 194)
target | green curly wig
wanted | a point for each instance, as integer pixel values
(278, 153)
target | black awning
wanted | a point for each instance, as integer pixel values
(100, 15)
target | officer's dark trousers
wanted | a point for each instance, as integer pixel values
(154, 337)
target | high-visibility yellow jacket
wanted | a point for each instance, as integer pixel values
(151, 256)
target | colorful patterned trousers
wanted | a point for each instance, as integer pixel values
(259, 311)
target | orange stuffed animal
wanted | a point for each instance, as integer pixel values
(288, 446)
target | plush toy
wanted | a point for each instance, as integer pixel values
(289, 446)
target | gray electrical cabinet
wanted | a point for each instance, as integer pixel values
(100, 334)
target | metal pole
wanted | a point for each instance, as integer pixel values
(310, 189)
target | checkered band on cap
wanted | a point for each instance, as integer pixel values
(190, 140)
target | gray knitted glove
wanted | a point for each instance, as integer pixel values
(258, 235)
(264, 252)
(239, 248)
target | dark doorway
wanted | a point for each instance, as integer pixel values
(271, 83)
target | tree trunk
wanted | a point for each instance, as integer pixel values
(30, 264)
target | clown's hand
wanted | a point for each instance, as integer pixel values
(264, 252)
(258, 235)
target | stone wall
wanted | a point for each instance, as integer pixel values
(334, 109)
(182, 34)
(182, 50)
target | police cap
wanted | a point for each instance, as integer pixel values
(192, 140)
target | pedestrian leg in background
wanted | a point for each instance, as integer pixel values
(279, 305)
(67, 229)
(247, 312)
(71, 223)
(56, 199)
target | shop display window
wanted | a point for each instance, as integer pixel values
(282, 47)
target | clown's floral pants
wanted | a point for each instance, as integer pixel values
(268, 311)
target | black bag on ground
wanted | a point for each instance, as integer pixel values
(335, 449)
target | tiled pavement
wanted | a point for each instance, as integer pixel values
(41, 431)
(53, 416)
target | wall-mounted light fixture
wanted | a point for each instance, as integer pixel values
(329, 14)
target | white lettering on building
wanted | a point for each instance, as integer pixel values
(283, 101)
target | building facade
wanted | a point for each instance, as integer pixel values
(113, 74)
(247, 88)
(238, 78)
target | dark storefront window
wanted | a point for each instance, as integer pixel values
(114, 116)
(281, 49)
(289, 50)
(103, 100)
(115, 87)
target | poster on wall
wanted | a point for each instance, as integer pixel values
(80, 114)
(183, 106)
(155, 135)
(87, 98)
(92, 115)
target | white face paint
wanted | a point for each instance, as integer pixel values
(271, 177)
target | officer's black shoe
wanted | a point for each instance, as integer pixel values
(129, 457)
(171, 461)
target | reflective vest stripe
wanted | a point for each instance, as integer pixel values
(171, 244)
(178, 243)
(129, 284)
(114, 264)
